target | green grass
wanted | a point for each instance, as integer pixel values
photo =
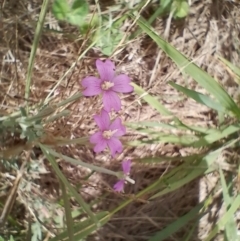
(210, 143)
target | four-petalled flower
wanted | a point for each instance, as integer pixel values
(108, 134)
(126, 167)
(108, 85)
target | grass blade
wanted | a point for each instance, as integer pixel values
(77, 196)
(69, 220)
(204, 165)
(178, 125)
(153, 102)
(179, 223)
(78, 162)
(199, 75)
(34, 46)
(233, 68)
(218, 135)
(225, 218)
(230, 227)
(84, 228)
(198, 97)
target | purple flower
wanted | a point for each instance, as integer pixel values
(126, 167)
(108, 85)
(108, 134)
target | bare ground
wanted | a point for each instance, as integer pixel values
(210, 30)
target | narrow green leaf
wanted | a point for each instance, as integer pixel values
(79, 162)
(234, 68)
(68, 215)
(200, 98)
(198, 169)
(165, 4)
(84, 228)
(178, 125)
(47, 111)
(204, 79)
(64, 141)
(77, 196)
(226, 197)
(185, 140)
(161, 158)
(218, 135)
(36, 39)
(57, 116)
(230, 227)
(176, 225)
(224, 219)
(70, 99)
(153, 102)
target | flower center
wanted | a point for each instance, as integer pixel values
(108, 134)
(106, 85)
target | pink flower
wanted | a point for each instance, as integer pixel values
(108, 134)
(126, 167)
(108, 85)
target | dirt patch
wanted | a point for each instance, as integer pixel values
(210, 30)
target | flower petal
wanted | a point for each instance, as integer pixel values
(100, 142)
(122, 84)
(111, 101)
(96, 137)
(92, 85)
(114, 145)
(106, 69)
(102, 120)
(126, 166)
(119, 186)
(117, 125)
(100, 146)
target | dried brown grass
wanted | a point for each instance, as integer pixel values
(211, 29)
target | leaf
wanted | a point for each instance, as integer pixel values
(186, 66)
(72, 190)
(68, 214)
(165, 3)
(110, 38)
(109, 41)
(224, 219)
(11, 238)
(79, 162)
(78, 12)
(205, 164)
(36, 231)
(75, 19)
(178, 125)
(230, 231)
(153, 102)
(218, 135)
(176, 225)
(34, 47)
(200, 98)
(233, 68)
(60, 9)
(84, 228)
(80, 6)
(182, 10)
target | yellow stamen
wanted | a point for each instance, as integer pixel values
(108, 134)
(106, 85)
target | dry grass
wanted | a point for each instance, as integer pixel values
(211, 29)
